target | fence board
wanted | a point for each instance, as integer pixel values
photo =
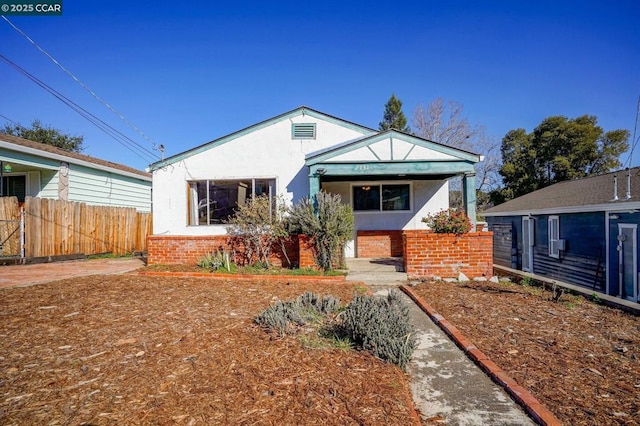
(55, 227)
(9, 226)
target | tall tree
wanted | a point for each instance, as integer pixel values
(46, 134)
(393, 117)
(559, 149)
(444, 122)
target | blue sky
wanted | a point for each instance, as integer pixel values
(189, 72)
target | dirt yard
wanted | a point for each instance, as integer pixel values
(580, 359)
(146, 350)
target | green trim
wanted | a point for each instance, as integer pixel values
(469, 193)
(393, 168)
(261, 125)
(330, 153)
(30, 160)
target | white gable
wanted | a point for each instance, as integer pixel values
(391, 149)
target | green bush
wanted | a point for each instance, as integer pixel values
(256, 226)
(214, 260)
(448, 222)
(328, 222)
(381, 326)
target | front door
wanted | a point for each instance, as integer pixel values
(627, 261)
(527, 244)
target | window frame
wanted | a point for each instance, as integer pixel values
(14, 175)
(553, 234)
(381, 185)
(194, 200)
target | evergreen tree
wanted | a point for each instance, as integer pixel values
(394, 118)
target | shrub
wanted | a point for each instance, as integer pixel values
(287, 317)
(381, 326)
(448, 222)
(215, 260)
(256, 227)
(329, 223)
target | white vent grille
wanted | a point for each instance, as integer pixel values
(303, 131)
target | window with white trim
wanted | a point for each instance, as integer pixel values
(554, 236)
(213, 202)
(382, 197)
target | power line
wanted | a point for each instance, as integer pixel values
(634, 141)
(84, 86)
(118, 136)
(8, 119)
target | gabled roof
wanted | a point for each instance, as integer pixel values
(285, 116)
(594, 193)
(50, 151)
(369, 140)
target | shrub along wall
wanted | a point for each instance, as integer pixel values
(427, 254)
(181, 249)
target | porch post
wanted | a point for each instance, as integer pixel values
(469, 194)
(314, 188)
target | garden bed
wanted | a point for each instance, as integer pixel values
(579, 358)
(131, 349)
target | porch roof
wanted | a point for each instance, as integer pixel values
(391, 153)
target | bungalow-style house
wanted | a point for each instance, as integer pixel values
(582, 232)
(38, 170)
(391, 179)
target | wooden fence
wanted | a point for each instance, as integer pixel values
(9, 227)
(54, 228)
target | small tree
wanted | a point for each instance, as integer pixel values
(448, 222)
(330, 226)
(393, 117)
(257, 226)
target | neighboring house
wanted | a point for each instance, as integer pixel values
(391, 179)
(39, 170)
(583, 232)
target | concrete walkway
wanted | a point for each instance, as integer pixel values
(447, 386)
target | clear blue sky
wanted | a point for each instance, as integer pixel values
(189, 72)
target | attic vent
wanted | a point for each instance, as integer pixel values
(303, 131)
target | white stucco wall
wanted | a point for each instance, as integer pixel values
(269, 152)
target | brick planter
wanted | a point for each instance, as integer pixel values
(183, 249)
(427, 254)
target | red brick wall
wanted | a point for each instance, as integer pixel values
(305, 247)
(379, 244)
(182, 249)
(428, 254)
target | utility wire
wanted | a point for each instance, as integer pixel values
(634, 141)
(84, 86)
(119, 137)
(8, 119)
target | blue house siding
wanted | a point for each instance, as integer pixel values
(615, 288)
(582, 262)
(507, 240)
